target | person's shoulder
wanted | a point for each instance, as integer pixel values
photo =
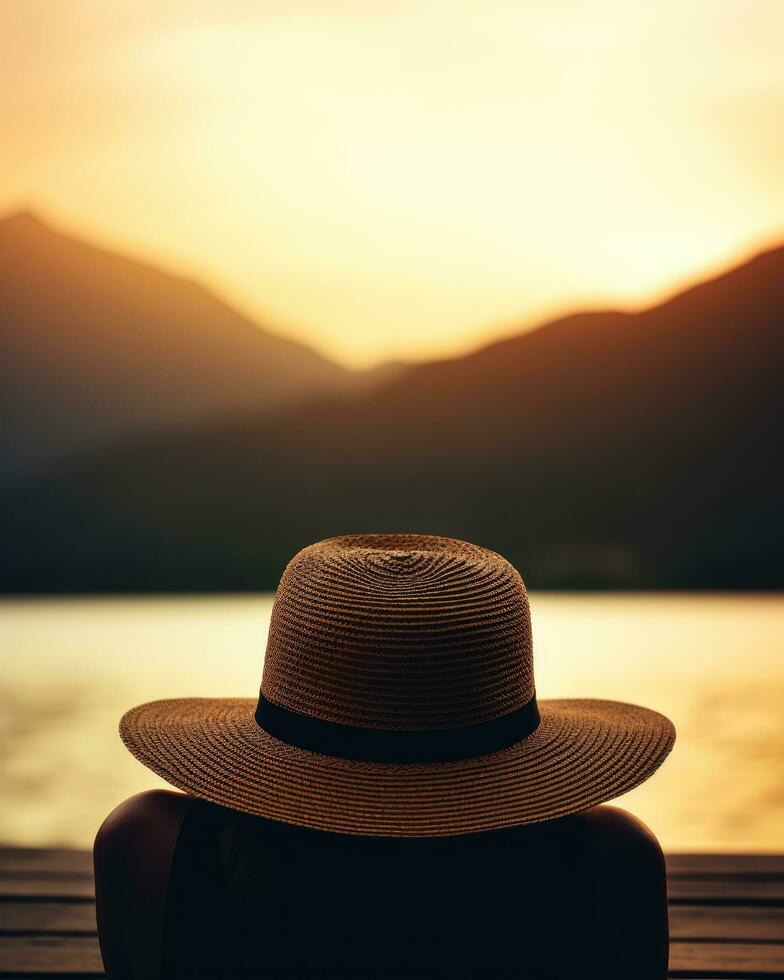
(140, 815)
(143, 826)
(623, 852)
(132, 858)
(613, 830)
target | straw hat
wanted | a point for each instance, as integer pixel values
(398, 699)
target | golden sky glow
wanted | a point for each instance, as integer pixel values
(391, 179)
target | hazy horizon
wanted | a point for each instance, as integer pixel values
(511, 327)
(405, 181)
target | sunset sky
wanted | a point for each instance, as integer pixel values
(391, 179)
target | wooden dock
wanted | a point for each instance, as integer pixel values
(726, 915)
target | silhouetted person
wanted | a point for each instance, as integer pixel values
(188, 889)
(396, 804)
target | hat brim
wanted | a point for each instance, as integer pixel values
(584, 752)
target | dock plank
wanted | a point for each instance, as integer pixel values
(80, 955)
(44, 886)
(29, 859)
(734, 890)
(725, 891)
(687, 922)
(735, 923)
(54, 954)
(727, 958)
(47, 917)
(725, 864)
(66, 859)
(23, 859)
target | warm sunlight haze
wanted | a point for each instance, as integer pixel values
(390, 489)
(402, 180)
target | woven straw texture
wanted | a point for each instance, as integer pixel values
(400, 633)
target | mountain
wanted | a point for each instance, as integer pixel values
(96, 347)
(604, 449)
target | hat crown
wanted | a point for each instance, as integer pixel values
(400, 632)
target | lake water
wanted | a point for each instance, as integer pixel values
(712, 663)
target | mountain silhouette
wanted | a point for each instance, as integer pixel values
(605, 449)
(96, 347)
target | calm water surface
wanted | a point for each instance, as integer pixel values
(712, 663)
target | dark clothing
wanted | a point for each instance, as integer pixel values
(252, 898)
